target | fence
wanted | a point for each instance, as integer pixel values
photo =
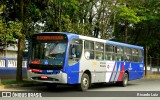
(8, 68)
(11, 63)
(153, 64)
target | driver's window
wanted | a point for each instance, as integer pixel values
(75, 51)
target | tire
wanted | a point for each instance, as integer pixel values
(124, 82)
(51, 86)
(85, 82)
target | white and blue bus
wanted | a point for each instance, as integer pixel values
(67, 58)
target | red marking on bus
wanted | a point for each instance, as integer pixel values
(121, 74)
(35, 61)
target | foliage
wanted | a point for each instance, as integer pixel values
(9, 31)
(131, 21)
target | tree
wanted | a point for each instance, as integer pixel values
(143, 20)
(130, 21)
(16, 16)
(8, 28)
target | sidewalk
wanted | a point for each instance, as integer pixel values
(13, 84)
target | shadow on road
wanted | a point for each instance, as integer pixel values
(72, 88)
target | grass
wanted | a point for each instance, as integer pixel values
(153, 76)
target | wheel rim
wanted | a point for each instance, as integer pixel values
(125, 81)
(85, 82)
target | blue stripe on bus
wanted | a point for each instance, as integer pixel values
(118, 72)
(112, 75)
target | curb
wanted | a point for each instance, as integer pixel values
(152, 77)
(1, 87)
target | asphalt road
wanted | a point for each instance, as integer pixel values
(146, 88)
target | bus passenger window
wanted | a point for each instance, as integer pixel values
(119, 53)
(140, 56)
(109, 56)
(127, 54)
(89, 49)
(89, 54)
(135, 55)
(99, 51)
(109, 52)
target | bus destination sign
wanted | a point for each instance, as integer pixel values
(58, 37)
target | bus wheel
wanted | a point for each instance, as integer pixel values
(124, 82)
(51, 86)
(85, 82)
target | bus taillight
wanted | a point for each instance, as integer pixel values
(29, 69)
(36, 70)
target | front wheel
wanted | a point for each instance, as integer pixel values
(85, 82)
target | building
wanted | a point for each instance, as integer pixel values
(8, 60)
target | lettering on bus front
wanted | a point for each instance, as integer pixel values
(50, 38)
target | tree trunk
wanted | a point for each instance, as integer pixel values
(126, 33)
(145, 59)
(20, 59)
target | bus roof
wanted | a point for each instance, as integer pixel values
(71, 35)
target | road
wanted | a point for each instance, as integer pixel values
(145, 87)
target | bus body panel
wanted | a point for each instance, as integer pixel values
(51, 78)
(73, 70)
(97, 73)
(73, 74)
(111, 71)
(135, 70)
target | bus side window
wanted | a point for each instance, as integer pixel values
(89, 49)
(119, 53)
(135, 55)
(99, 51)
(140, 56)
(127, 54)
(109, 52)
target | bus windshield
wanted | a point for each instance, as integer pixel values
(52, 52)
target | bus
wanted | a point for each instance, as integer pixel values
(66, 58)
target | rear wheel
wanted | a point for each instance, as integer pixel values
(124, 82)
(85, 82)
